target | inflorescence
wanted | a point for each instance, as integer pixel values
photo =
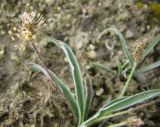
(31, 23)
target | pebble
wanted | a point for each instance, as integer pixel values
(142, 29)
(129, 34)
(99, 92)
(49, 2)
(91, 47)
(91, 54)
(87, 67)
(66, 60)
(2, 32)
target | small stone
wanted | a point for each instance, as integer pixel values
(14, 29)
(99, 92)
(66, 60)
(68, 25)
(10, 32)
(87, 67)
(129, 34)
(148, 27)
(142, 29)
(13, 38)
(49, 2)
(91, 54)
(3, 32)
(91, 47)
(134, 122)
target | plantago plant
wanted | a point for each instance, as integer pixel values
(80, 101)
(137, 55)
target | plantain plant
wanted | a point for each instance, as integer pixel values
(81, 103)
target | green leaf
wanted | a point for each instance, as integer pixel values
(151, 46)
(130, 101)
(62, 86)
(149, 67)
(113, 102)
(122, 69)
(89, 95)
(123, 42)
(76, 74)
(118, 104)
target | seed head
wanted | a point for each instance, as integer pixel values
(31, 24)
(134, 122)
(32, 21)
(138, 51)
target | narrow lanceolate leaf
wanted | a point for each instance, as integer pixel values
(151, 46)
(76, 74)
(89, 98)
(123, 42)
(113, 102)
(129, 101)
(119, 104)
(62, 86)
(149, 67)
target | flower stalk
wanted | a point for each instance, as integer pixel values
(42, 63)
(128, 80)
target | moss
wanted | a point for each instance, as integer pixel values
(155, 7)
(139, 4)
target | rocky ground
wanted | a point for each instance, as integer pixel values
(78, 23)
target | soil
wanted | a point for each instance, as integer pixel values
(27, 99)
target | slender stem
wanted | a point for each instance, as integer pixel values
(128, 80)
(118, 124)
(43, 63)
